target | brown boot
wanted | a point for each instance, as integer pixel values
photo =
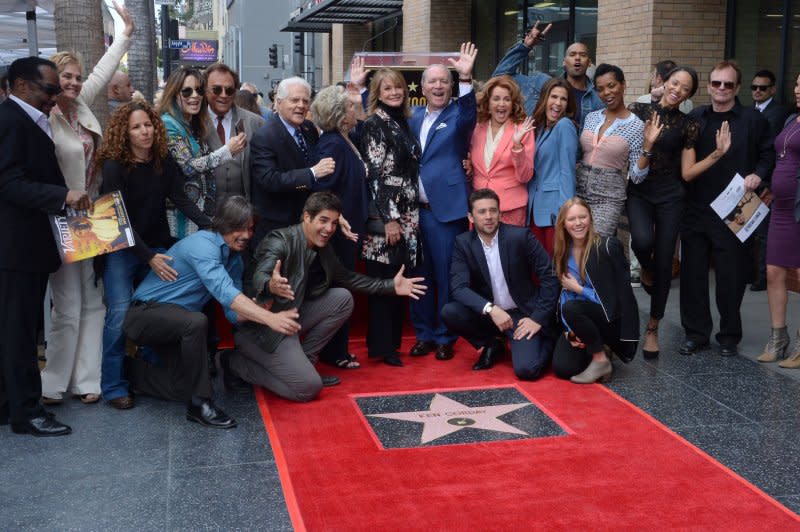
(776, 346)
(794, 359)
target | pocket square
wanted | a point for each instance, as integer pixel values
(441, 126)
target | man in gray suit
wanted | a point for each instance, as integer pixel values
(226, 120)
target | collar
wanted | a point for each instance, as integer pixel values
(493, 242)
(30, 110)
(736, 109)
(589, 84)
(289, 127)
(214, 115)
(434, 114)
(763, 105)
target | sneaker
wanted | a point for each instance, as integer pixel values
(636, 281)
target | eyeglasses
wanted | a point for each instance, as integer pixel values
(186, 92)
(762, 88)
(50, 90)
(727, 84)
(217, 90)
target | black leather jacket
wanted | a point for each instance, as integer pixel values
(290, 246)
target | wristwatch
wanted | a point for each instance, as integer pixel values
(487, 308)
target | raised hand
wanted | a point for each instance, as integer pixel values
(520, 130)
(466, 60)
(723, 138)
(279, 285)
(358, 73)
(126, 18)
(652, 130)
(408, 286)
(535, 35)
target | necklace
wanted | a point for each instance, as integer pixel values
(794, 130)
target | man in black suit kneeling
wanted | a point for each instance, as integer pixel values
(493, 293)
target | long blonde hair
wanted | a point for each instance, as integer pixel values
(563, 241)
(387, 74)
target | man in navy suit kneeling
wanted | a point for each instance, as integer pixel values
(493, 293)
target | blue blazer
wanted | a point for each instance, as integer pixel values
(446, 147)
(348, 181)
(553, 180)
(521, 257)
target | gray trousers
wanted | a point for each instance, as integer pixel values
(289, 370)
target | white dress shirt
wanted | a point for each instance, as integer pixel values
(227, 122)
(763, 105)
(36, 115)
(500, 293)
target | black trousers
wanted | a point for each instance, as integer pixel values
(654, 232)
(179, 336)
(588, 321)
(337, 348)
(386, 314)
(21, 301)
(703, 237)
(529, 357)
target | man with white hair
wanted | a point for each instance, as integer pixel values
(281, 166)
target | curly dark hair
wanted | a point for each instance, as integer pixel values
(169, 100)
(517, 114)
(116, 143)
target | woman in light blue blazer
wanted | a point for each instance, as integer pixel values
(554, 162)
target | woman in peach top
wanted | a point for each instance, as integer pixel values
(502, 149)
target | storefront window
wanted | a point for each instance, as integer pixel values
(792, 56)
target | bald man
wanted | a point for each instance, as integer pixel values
(119, 90)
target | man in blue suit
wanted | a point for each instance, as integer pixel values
(444, 130)
(493, 294)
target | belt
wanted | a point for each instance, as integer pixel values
(426, 206)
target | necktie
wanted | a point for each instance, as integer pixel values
(220, 129)
(301, 142)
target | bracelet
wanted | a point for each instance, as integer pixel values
(647, 154)
(462, 80)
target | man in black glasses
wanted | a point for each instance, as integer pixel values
(226, 120)
(31, 186)
(763, 91)
(703, 234)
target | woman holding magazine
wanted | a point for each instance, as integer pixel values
(135, 160)
(73, 343)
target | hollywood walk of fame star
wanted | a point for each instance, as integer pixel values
(446, 416)
(412, 87)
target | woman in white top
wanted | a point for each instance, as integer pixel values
(74, 343)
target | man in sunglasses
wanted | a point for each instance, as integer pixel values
(31, 187)
(226, 120)
(763, 90)
(703, 234)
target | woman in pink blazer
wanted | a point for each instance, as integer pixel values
(502, 150)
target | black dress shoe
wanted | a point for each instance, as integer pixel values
(728, 350)
(444, 351)
(207, 413)
(691, 347)
(423, 347)
(44, 425)
(231, 381)
(329, 380)
(491, 352)
(392, 360)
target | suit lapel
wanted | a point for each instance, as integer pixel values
(289, 140)
(508, 132)
(480, 258)
(504, 258)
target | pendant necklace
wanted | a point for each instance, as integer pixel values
(794, 130)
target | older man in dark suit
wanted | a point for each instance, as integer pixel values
(31, 185)
(493, 294)
(281, 165)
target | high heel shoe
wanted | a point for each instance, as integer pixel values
(646, 353)
(776, 346)
(794, 359)
(594, 372)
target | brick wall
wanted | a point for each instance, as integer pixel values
(435, 25)
(636, 37)
(345, 41)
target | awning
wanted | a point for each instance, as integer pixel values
(318, 15)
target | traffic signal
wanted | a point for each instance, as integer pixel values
(298, 43)
(273, 56)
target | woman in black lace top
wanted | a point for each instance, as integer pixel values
(655, 205)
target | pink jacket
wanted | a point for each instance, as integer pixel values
(509, 171)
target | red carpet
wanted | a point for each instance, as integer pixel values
(615, 467)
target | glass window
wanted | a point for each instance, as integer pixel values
(757, 40)
(498, 25)
(792, 57)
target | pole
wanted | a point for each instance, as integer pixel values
(33, 38)
(165, 52)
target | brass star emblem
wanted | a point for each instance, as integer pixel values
(412, 87)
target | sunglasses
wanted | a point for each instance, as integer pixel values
(217, 90)
(727, 84)
(761, 88)
(186, 92)
(50, 90)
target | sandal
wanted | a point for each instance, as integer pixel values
(349, 362)
(89, 398)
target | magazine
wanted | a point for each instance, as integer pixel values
(742, 211)
(81, 234)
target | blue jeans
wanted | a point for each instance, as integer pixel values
(123, 273)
